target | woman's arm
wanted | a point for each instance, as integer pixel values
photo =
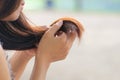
(51, 48)
(4, 71)
(19, 61)
(41, 66)
(48, 44)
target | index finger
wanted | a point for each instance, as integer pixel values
(56, 27)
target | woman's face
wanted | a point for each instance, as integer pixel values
(15, 15)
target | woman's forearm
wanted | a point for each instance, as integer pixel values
(18, 62)
(40, 69)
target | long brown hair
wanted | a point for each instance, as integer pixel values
(19, 35)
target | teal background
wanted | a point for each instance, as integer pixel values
(76, 5)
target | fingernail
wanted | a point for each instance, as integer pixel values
(59, 23)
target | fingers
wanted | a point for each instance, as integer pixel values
(56, 27)
(70, 41)
(68, 45)
(72, 36)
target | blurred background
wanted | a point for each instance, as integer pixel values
(97, 57)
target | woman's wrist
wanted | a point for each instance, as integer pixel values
(42, 59)
(40, 68)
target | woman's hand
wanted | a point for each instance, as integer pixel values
(54, 48)
(50, 49)
(62, 54)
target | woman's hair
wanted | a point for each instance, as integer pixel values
(19, 35)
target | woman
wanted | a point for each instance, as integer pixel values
(14, 30)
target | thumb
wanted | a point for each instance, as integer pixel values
(56, 27)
